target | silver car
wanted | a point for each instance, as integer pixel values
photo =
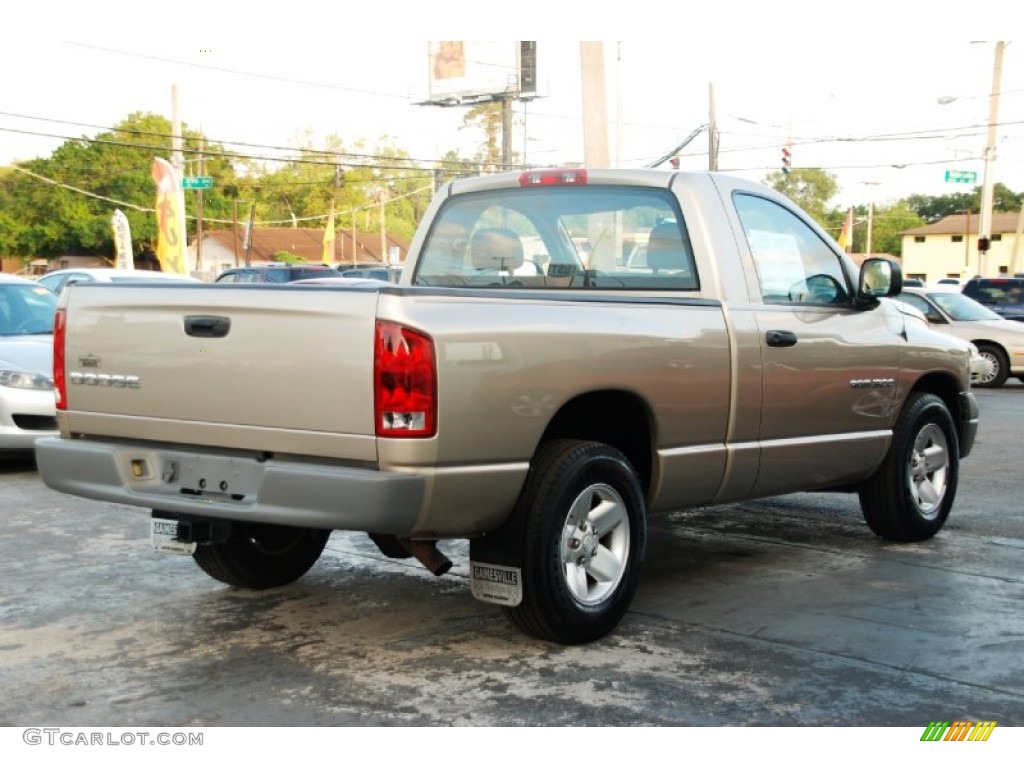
(27, 409)
(1000, 342)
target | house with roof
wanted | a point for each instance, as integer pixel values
(949, 248)
(221, 249)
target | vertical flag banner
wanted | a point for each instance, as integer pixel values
(328, 257)
(170, 216)
(123, 256)
(846, 236)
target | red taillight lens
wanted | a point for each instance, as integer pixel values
(553, 177)
(405, 382)
(60, 388)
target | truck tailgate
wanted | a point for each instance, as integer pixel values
(266, 368)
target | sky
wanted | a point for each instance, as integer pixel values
(887, 103)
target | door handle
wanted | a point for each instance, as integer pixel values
(207, 326)
(780, 338)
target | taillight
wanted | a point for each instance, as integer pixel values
(553, 177)
(60, 388)
(405, 382)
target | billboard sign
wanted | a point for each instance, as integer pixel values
(468, 70)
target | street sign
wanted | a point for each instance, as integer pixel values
(197, 182)
(962, 177)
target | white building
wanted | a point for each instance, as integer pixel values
(949, 248)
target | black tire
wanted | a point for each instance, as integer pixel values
(578, 580)
(262, 556)
(910, 495)
(999, 367)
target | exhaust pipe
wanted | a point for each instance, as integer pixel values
(425, 551)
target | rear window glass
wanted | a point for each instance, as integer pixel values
(599, 237)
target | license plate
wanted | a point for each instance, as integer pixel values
(163, 535)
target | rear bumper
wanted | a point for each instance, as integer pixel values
(234, 486)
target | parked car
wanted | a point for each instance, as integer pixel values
(388, 274)
(60, 279)
(276, 273)
(1000, 342)
(27, 408)
(1004, 295)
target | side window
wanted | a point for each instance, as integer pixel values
(920, 304)
(794, 265)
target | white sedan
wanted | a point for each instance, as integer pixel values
(60, 279)
(1000, 342)
(27, 409)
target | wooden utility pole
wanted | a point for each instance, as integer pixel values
(199, 213)
(712, 129)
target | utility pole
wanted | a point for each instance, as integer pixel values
(985, 227)
(712, 130)
(177, 158)
(199, 213)
(595, 124)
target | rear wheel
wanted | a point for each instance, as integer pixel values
(257, 556)
(585, 536)
(911, 494)
(997, 368)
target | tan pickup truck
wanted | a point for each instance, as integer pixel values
(527, 386)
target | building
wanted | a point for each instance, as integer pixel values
(225, 248)
(949, 248)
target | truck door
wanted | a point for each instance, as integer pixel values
(829, 368)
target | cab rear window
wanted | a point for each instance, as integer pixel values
(585, 237)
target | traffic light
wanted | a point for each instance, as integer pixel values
(787, 160)
(983, 244)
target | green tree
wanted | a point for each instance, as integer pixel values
(934, 207)
(809, 188)
(64, 203)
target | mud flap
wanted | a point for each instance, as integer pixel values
(495, 564)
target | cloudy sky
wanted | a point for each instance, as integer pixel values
(859, 97)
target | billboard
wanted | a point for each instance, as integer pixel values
(470, 71)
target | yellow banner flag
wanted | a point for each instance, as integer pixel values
(846, 236)
(170, 215)
(328, 256)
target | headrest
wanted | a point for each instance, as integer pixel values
(496, 248)
(665, 248)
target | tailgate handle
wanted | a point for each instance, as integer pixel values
(207, 326)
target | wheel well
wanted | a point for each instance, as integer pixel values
(614, 417)
(946, 388)
(988, 343)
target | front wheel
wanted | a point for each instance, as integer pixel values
(997, 367)
(910, 495)
(260, 556)
(585, 537)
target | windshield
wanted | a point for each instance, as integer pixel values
(960, 307)
(26, 309)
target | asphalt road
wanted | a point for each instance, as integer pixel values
(786, 612)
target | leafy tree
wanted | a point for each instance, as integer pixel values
(65, 202)
(489, 118)
(810, 188)
(931, 208)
